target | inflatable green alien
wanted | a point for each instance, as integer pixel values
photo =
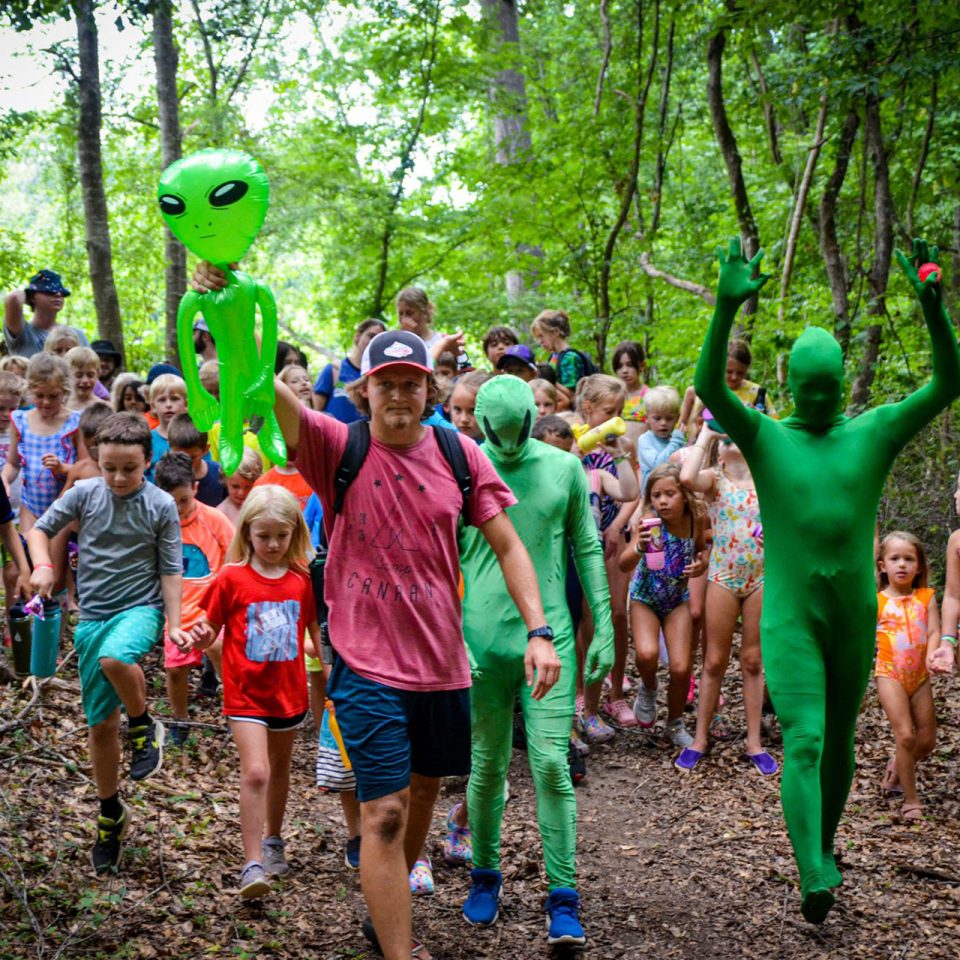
(819, 476)
(215, 202)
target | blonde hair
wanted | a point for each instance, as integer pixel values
(7, 365)
(82, 358)
(58, 337)
(599, 387)
(46, 368)
(167, 383)
(923, 566)
(271, 502)
(546, 386)
(251, 466)
(552, 321)
(290, 369)
(662, 400)
(11, 385)
(417, 298)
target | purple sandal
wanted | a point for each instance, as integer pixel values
(688, 758)
(764, 763)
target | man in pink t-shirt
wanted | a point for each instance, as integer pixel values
(400, 679)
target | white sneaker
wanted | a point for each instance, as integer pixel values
(645, 706)
(676, 731)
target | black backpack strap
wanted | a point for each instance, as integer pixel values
(355, 452)
(452, 450)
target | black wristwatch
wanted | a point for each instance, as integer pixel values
(545, 631)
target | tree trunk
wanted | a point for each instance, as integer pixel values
(955, 280)
(99, 254)
(511, 129)
(879, 274)
(731, 155)
(829, 241)
(168, 104)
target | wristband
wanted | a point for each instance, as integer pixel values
(49, 566)
(951, 640)
(545, 632)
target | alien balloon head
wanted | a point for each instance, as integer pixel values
(215, 202)
(505, 412)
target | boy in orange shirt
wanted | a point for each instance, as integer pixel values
(290, 478)
(206, 536)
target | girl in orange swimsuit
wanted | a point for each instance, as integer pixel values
(908, 634)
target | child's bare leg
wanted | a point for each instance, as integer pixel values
(896, 705)
(318, 690)
(676, 632)
(10, 574)
(215, 655)
(751, 665)
(619, 583)
(723, 609)
(351, 812)
(104, 744)
(924, 721)
(129, 682)
(279, 750)
(645, 627)
(460, 816)
(178, 691)
(251, 741)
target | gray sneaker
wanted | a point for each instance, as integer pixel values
(253, 883)
(676, 731)
(274, 862)
(645, 706)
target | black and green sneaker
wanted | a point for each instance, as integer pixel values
(147, 742)
(105, 855)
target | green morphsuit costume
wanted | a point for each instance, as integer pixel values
(553, 509)
(819, 476)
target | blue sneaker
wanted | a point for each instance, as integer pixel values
(563, 921)
(483, 902)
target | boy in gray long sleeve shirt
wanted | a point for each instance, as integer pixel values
(130, 572)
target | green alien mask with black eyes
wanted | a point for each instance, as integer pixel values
(505, 412)
(215, 202)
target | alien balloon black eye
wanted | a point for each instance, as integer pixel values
(227, 193)
(171, 205)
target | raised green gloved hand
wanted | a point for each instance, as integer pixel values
(737, 284)
(930, 291)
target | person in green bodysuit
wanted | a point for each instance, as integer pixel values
(819, 476)
(553, 508)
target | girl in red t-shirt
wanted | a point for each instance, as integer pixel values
(263, 599)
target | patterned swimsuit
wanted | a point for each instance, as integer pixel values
(40, 486)
(902, 638)
(736, 561)
(609, 508)
(664, 590)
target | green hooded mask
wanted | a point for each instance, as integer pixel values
(505, 411)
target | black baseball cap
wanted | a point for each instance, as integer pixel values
(396, 348)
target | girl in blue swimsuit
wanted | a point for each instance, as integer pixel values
(659, 599)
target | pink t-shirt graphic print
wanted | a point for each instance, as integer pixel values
(392, 577)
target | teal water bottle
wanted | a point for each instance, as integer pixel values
(20, 630)
(46, 640)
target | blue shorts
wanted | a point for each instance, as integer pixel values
(389, 733)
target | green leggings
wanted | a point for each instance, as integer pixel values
(548, 722)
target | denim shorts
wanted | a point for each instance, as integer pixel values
(389, 733)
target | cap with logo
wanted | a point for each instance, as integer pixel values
(395, 348)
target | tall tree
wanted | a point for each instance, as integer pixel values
(168, 104)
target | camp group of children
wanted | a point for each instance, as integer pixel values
(220, 565)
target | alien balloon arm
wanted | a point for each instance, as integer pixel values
(268, 336)
(202, 405)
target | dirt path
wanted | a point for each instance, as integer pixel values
(671, 865)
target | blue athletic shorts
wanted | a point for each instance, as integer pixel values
(389, 733)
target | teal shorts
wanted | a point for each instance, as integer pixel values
(127, 637)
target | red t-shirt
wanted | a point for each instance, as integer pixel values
(391, 580)
(264, 620)
(293, 482)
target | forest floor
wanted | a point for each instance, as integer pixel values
(670, 865)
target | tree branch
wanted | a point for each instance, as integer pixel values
(924, 153)
(705, 293)
(605, 62)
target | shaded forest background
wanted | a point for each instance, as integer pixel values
(510, 156)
